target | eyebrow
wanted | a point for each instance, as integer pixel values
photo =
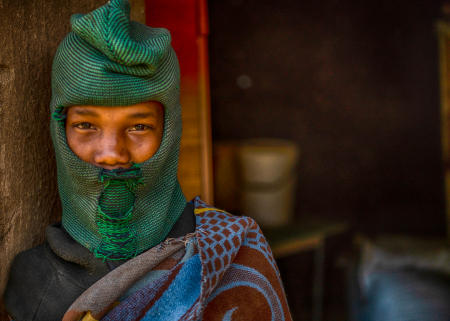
(86, 112)
(142, 115)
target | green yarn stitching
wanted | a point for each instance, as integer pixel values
(118, 240)
(131, 173)
(59, 114)
(114, 213)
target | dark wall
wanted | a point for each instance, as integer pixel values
(355, 83)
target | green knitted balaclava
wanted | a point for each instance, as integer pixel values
(108, 60)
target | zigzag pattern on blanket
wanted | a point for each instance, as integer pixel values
(233, 277)
(241, 278)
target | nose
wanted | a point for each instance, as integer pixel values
(112, 152)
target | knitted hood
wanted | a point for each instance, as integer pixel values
(108, 60)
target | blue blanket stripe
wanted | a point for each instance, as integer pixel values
(181, 294)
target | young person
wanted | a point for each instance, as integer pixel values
(130, 247)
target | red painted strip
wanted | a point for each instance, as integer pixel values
(180, 17)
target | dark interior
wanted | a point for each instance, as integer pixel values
(356, 85)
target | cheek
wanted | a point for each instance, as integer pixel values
(143, 149)
(79, 146)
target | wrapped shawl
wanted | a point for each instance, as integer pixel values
(231, 275)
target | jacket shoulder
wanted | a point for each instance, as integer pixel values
(42, 285)
(30, 276)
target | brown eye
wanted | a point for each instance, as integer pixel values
(84, 125)
(140, 127)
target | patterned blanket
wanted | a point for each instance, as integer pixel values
(228, 273)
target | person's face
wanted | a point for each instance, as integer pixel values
(115, 137)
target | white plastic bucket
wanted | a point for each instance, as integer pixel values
(268, 180)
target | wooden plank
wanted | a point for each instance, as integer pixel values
(301, 236)
(443, 28)
(204, 102)
(137, 10)
(295, 246)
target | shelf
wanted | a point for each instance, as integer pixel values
(301, 236)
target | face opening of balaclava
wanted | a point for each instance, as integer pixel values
(108, 60)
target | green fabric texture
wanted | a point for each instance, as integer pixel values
(108, 60)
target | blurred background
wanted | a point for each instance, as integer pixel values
(356, 93)
(355, 84)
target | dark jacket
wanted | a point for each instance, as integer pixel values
(45, 280)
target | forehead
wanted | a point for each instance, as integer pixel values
(150, 109)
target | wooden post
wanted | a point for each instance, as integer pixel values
(29, 34)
